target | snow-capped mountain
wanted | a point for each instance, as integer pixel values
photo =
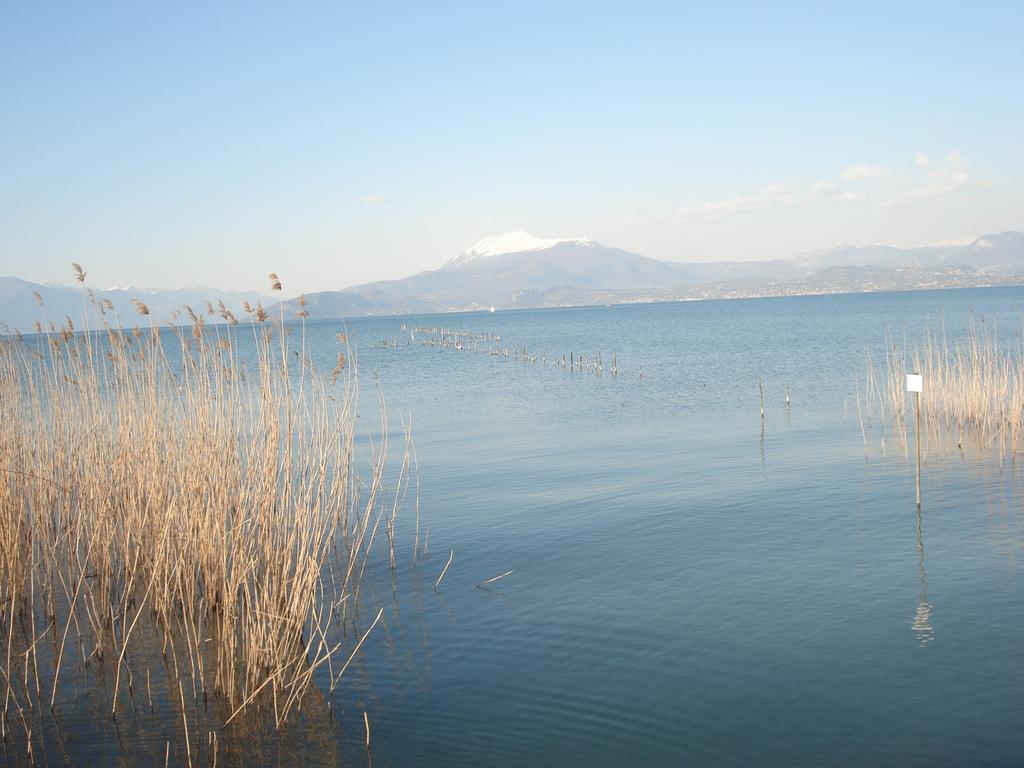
(518, 269)
(515, 269)
(518, 261)
(510, 242)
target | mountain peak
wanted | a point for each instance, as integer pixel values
(512, 242)
(518, 242)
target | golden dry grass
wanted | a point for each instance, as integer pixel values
(194, 486)
(973, 390)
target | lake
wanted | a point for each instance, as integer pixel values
(690, 584)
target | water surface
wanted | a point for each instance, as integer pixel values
(691, 584)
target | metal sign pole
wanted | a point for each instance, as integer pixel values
(917, 439)
(915, 384)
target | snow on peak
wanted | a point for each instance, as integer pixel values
(512, 242)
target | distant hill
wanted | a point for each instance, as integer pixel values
(998, 254)
(511, 270)
(519, 270)
(20, 309)
(534, 264)
(712, 271)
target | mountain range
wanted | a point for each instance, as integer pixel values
(518, 270)
(23, 303)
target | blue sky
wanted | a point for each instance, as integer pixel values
(338, 143)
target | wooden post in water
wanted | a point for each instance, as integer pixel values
(915, 384)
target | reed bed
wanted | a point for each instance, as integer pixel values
(973, 390)
(191, 490)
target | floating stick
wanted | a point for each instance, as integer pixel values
(496, 578)
(450, 556)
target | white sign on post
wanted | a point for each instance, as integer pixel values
(915, 382)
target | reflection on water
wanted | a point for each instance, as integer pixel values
(921, 625)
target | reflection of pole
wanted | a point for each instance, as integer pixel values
(917, 439)
(921, 623)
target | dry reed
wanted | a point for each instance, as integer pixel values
(193, 487)
(973, 388)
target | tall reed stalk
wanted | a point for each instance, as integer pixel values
(973, 389)
(195, 486)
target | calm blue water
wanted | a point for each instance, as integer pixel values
(690, 587)
(686, 588)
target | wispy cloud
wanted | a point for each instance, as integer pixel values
(769, 197)
(933, 181)
(862, 171)
(943, 181)
(823, 190)
(374, 198)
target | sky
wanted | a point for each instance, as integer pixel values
(184, 144)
